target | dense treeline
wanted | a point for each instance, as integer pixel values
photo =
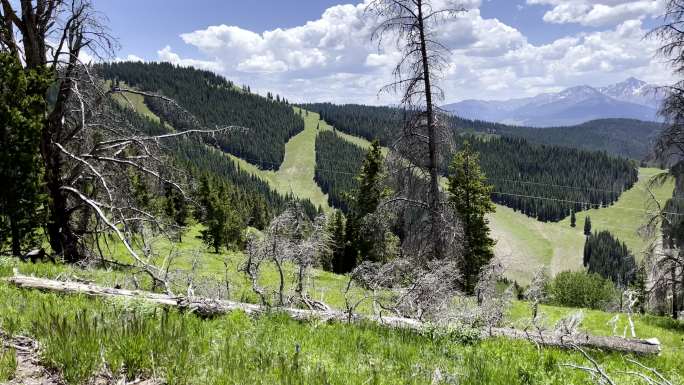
(548, 182)
(367, 122)
(254, 199)
(337, 163)
(215, 102)
(544, 182)
(628, 138)
(607, 256)
(621, 137)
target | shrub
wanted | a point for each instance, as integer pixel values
(582, 289)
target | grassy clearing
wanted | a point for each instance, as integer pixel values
(136, 101)
(525, 243)
(296, 173)
(77, 333)
(627, 215)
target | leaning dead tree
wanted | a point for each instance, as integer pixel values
(100, 163)
(416, 157)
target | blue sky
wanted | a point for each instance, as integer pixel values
(310, 50)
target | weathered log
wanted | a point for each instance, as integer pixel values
(210, 307)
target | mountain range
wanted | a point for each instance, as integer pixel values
(632, 99)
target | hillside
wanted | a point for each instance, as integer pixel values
(523, 243)
(627, 138)
(214, 102)
(520, 171)
(79, 334)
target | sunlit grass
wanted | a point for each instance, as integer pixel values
(78, 333)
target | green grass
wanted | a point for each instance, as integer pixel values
(296, 173)
(628, 214)
(525, 243)
(136, 101)
(77, 333)
(8, 363)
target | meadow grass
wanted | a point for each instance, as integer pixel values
(296, 174)
(8, 363)
(138, 340)
(524, 243)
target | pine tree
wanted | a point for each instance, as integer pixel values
(470, 196)
(21, 121)
(587, 226)
(365, 200)
(222, 224)
(338, 264)
(573, 220)
(176, 207)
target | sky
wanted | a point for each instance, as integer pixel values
(321, 50)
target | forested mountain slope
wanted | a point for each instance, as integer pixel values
(622, 137)
(338, 161)
(250, 195)
(544, 182)
(215, 102)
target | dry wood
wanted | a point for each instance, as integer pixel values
(211, 307)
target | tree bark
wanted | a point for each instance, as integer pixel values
(209, 307)
(433, 201)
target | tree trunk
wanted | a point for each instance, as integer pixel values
(16, 238)
(209, 307)
(433, 200)
(675, 307)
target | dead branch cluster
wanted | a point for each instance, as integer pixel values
(290, 240)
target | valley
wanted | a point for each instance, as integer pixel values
(274, 193)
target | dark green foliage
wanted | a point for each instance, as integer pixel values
(587, 226)
(573, 220)
(215, 102)
(469, 195)
(22, 106)
(548, 183)
(338, 263)
(222, 224)
(540, 181)
(175, 205)
(607, 256)
(337, 162)
(364, 201)
(256, 200)
(627, 138)
(581, 289)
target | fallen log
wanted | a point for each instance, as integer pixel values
(210, 307)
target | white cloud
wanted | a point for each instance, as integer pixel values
(130, 57)
(333, 58)
(166, 54)
(598, 13)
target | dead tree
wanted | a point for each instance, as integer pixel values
(94, 156)
(667, 272)
(290, 238)
(416, 151)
